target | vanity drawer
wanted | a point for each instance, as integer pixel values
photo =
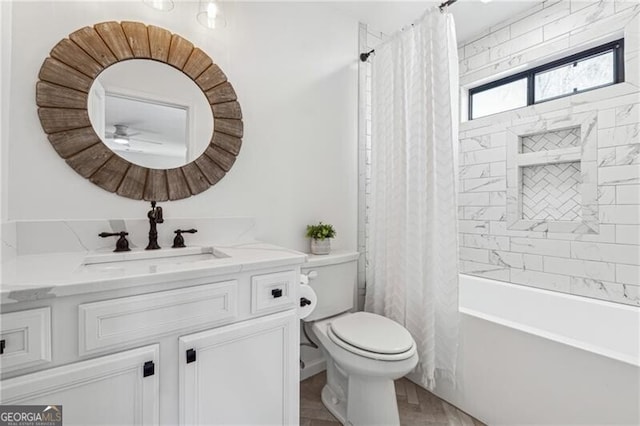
(26, 337)
(273, 292)
(117, 322)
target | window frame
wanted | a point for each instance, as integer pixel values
(617, 47)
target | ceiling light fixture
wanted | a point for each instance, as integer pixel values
(210, 15)
(485, 1)
(163, 5)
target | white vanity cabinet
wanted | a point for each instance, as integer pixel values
(214, 350)
(241, 374)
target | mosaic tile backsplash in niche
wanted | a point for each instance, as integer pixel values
(551, 140)
(551, 192)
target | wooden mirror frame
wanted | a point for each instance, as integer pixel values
(61, 95)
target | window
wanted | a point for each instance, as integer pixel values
(507, 96)
(588, 70)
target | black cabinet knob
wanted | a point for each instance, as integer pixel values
(304, 302)
(191, 355)
(148, 369)
(276, 292)
(3, 344)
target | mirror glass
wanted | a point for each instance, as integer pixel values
(150, 114)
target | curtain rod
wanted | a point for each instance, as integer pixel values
(365, 56)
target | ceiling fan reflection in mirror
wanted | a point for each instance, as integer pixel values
(121, 134)
(129, 139)
(122, 137)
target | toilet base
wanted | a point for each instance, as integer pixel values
(370, 402)
(335, 405)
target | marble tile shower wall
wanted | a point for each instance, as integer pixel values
(368, 40)
(603, 265)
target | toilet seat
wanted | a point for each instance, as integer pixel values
(372, 336)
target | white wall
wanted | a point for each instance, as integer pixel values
(5, 73)
(294, 68)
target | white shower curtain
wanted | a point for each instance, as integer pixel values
(412, 247)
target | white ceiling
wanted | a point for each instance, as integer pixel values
(471, 16)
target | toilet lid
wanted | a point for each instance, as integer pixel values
(372, 333)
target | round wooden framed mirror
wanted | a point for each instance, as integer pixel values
(66, 91)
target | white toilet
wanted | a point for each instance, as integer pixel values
(364, 352)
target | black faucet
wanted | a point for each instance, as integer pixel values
(155, 217)
(178, 241)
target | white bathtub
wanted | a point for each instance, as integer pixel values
(536, 357)
(605, 328)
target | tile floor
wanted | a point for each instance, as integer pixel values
(417, 406)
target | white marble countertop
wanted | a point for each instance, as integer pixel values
(42, 276)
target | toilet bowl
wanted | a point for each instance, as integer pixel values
(360, 388)
(364, 352)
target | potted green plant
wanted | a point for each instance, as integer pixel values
(320, 235)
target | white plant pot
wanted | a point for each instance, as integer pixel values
(320, 246)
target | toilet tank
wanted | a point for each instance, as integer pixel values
(334, 278)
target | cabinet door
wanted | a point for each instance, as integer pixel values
(246, 373)
(116, 389)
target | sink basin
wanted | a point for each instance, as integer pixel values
(140, 257)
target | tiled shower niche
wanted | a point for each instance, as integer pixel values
(568, 138)
(552, 191)
(551, 176)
